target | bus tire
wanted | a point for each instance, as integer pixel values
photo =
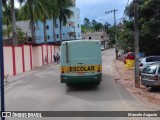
(97, 83)
(68, 84)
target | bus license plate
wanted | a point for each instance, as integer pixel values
(80, 74)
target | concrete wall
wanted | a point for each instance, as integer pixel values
(18, 60)
(49, 54)
(24, 58)
(37, 56)
(8, 61)
(27, 58)
(44, 50)
(57, 50)
(48, 51)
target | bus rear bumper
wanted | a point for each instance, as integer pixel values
(81, 79)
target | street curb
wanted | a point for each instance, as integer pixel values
(120, 79)
(28, 73)
(140, 94)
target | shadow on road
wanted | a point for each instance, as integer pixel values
(108, 90)
(82, 88)
(154, 90)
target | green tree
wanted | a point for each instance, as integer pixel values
(87, 22)
(20, 16)
(111, 33)
(94, 22)
(149, 26)
(7, 17)
(106, 26)
(85, 29)
(98, 26)
(46, 14)
(64, 13)
(20, 36)
(55, 14)
(32, 9)
(8, 31)
(13, 19)
(126, 36)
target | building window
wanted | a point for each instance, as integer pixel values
(78, 25)
(48, 37)
(63, 33)
(47, 27)
(57, 35)
(56, 25)
(37, 37)
(36, 26)
(79, 34)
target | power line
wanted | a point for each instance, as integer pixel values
(114, 11)
(124, 16)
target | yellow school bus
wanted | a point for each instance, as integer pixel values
(81, 62)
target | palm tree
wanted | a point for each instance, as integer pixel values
(7, 17)
(33, 9)
(65, 13)
(13, 20)
(8, 31)
(47, 14)
(55, 15)
(14, 34)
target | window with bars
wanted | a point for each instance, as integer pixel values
(48, 37)
(57, 35)
(47, 27)
(56, 25)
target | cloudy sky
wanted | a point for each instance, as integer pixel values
(95, 9)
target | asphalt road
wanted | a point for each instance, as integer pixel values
(42, 91)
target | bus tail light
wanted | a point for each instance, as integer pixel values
(99, 69)
(62, 71)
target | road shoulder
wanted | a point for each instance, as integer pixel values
(126, 78)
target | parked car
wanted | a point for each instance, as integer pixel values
(143, 62)
(120, 53)
(150, 76)
(129, 55)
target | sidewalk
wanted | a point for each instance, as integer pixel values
(11, 79)
(126, 78)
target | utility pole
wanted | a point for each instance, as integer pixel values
(1, 65)
(136, 43)
(115, 26)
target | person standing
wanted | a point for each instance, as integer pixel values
(57, 58)
(54, 56)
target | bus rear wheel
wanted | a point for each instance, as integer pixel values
(97, 83)
(69, 84)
